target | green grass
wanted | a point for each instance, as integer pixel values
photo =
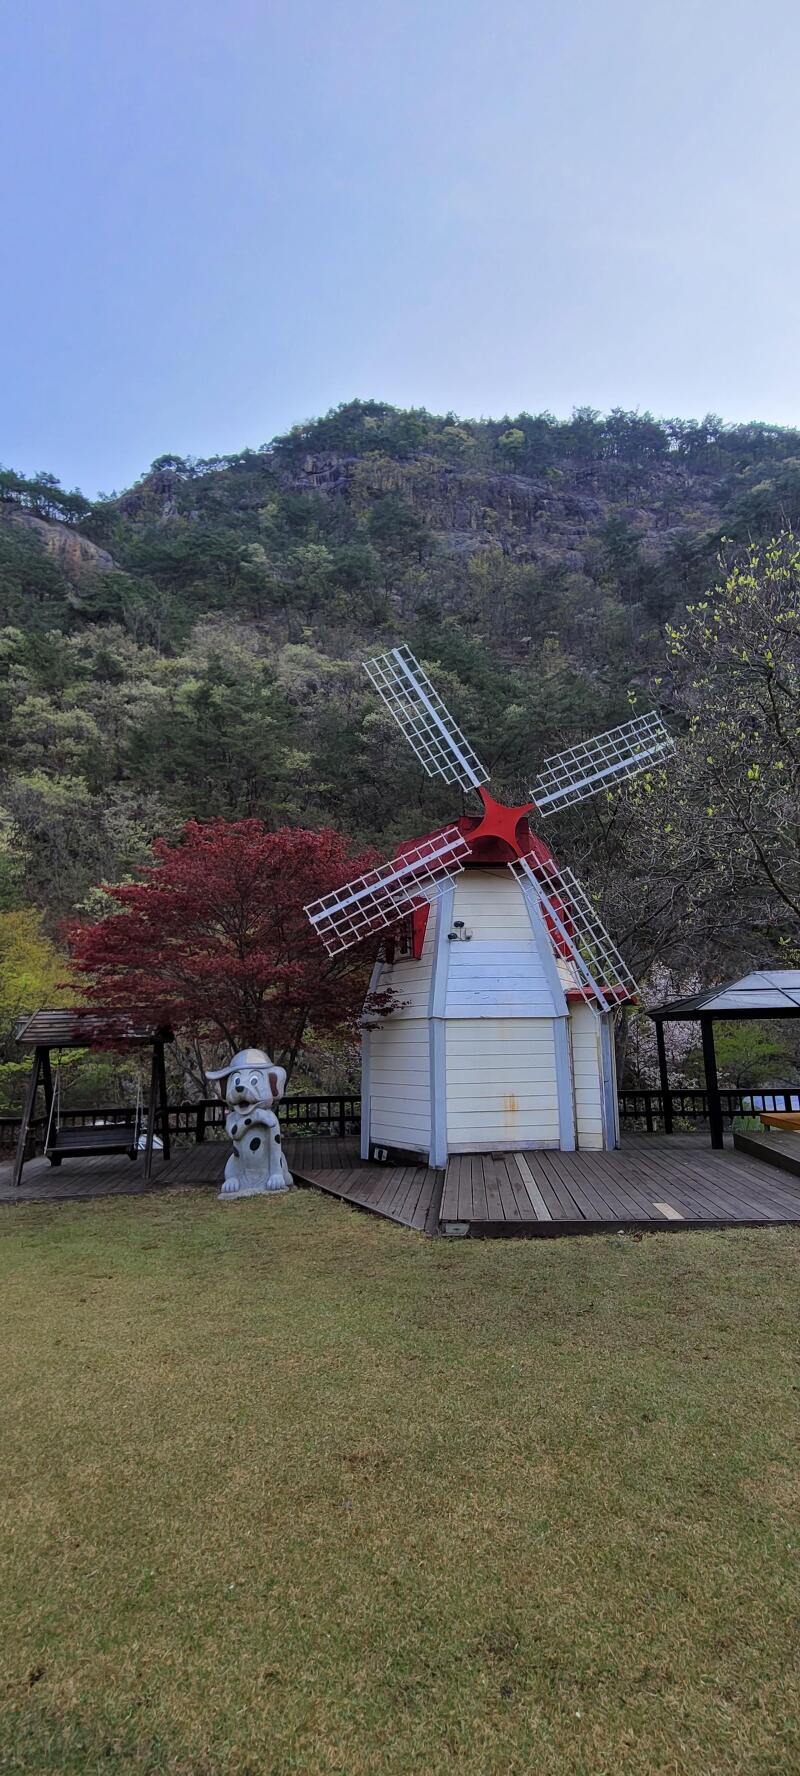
(288, 1489)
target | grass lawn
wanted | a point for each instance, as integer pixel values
(289, 1489)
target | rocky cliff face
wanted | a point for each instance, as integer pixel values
(73, 554)
(549, 517)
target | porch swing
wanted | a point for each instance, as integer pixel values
(99, 1137)
(48, 1030)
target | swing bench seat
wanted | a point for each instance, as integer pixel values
(81, 1143)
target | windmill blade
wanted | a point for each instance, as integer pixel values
(577, 932)
(423, 719)
(611, 757)
(378, 899)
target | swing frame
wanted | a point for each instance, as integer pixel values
(78, 1028)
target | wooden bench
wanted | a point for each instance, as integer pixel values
(780, 1119)
(81, 1143)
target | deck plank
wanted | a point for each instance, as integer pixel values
(480, 1211)
(495, 1210)
(426, 1214)
(522, 1200)
(465, 1187)
(507, 1196)
(531, 1187)
(542, 1180)
(448, 1207)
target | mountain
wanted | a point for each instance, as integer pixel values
(191, 646)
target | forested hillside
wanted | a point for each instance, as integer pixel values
(192, 646)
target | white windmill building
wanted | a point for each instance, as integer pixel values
(504, 980)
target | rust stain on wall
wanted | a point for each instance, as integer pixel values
(510, 1105)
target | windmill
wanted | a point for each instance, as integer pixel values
(501, 1037)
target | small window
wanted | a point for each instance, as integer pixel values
(399, 945)
(405, 941)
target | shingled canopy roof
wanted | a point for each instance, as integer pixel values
(767, 992)
(77, 1027)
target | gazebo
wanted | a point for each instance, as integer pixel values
(81, 1028)
(766, 993)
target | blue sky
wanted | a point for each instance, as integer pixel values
(219, 219)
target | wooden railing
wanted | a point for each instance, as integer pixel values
(644, 1109)
(339, 1113)
(336, 1114)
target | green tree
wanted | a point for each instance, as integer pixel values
(512, 443)
(706, 855)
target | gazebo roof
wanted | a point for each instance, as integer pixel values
(767, 992)
(81, 1027)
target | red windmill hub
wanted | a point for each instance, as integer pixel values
(502, 832)
(499, 832)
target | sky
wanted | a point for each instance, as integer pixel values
(220, 219)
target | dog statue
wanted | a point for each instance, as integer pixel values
(257, 1164)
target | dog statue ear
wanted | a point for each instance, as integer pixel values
(277, 1081)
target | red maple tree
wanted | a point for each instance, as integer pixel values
(214, 938)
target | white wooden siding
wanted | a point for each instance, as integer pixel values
(410, 979)
(501, 1084)
(499, 973)
(586, 1072)
(609, 1082)
(400, 1090)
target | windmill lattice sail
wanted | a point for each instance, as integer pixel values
(609, 758)
(377, 900)
(577, 932)
(424, 719)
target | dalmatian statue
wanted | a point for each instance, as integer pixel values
(252, 1085)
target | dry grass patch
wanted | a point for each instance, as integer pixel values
(287, 1489)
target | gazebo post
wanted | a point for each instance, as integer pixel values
(663, 1074)
(712, 1083)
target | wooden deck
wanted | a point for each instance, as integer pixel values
(104, 1175)
(408, 1194)
(653, 1182)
